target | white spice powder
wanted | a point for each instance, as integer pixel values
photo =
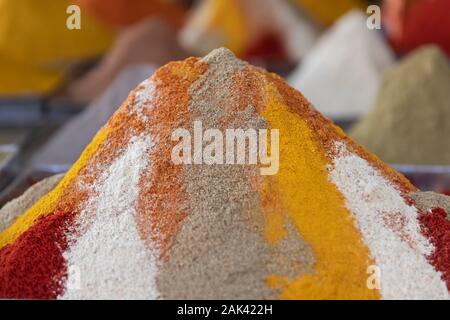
(399, 248)
(145, 93)
(109, 256)
(341, 75)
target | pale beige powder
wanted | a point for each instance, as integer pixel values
(430, 200)
(13, 209)
(231, 259)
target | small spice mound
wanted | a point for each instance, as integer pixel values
(410, 121)
(146, 227)
(341, 75)
(14, 208)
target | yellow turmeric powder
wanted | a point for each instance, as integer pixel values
(318, 213)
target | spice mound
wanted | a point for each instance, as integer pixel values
(342, 74)
(410, 121)
(142, 215)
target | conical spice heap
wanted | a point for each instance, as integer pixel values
(127, 222)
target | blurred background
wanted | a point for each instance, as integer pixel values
(379, 69)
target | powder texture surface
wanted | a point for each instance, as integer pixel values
(436, 226)
(130, 223)
(223, 205)
(317, 212)
(428, 201)
(109, 238)
(410, 121)
(14, 208)
(390, 227)
(341, 75)
(161, 205)
(33, 267)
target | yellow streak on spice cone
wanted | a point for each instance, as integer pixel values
(184, 71)
(317, 209)
(48, 203)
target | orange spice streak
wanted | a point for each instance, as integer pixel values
(246, 86)
(161, 205)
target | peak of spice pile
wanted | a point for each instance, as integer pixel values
(410, 121)
(125, 222)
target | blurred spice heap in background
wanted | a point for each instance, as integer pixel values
(122, 221)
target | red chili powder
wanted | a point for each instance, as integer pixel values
(436, 227)
(33, 267)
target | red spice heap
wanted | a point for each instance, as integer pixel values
(436, 227)
(32, 267)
